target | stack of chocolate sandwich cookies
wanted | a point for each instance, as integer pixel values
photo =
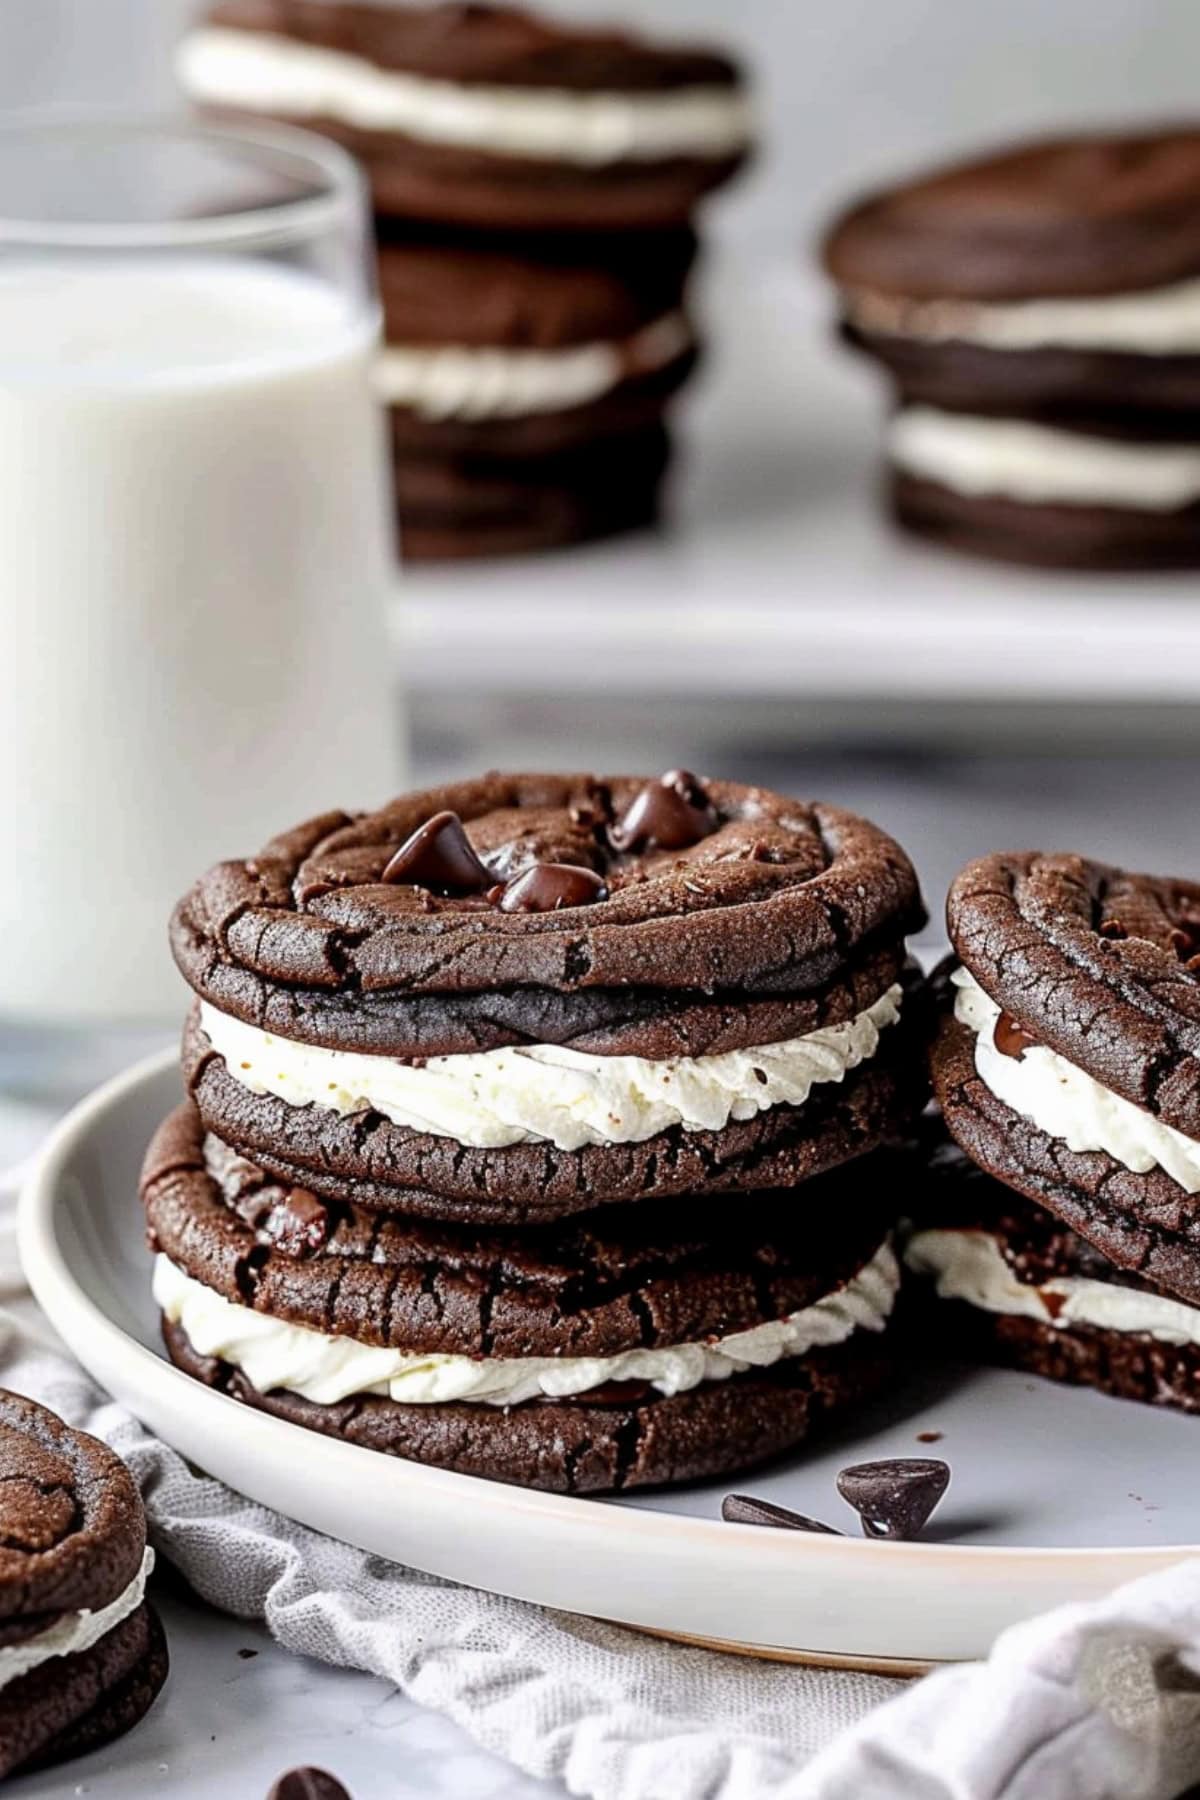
(534, 185)
(526, 386)
(1038, 312)
(82, 1654)
(1066, 1065)
(472, 1080)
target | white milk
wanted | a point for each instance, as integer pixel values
(193, 563)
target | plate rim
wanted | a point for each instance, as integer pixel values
(54, 1285)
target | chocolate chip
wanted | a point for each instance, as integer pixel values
(439, 856)
(1010, 1038)
(743, 1509)
(298, 1225)
(894, 1498)
(930, 1437)
(668, 814)
(549, 887)
(308, 1784)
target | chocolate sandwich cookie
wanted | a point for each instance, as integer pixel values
(688, 1338)
(484, 504)
(528, 350)
(526, 387)
(82, 1654)
(522, 997)
(1016, 1286)
(1038, 312)
(1067, 1058)
(484, 116)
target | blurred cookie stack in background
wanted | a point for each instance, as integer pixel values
(534, 186)
(1038, 312)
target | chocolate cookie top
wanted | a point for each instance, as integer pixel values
(570, 884)
(660, 1274)
(72, 1529)
(497, 46)
(1087, 215)
(1097, 963)
(532, 294)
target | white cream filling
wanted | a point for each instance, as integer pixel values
(1163, 321)
(461, 381)
(1069, 1105)
(74, 1632)
(1014, 460)
(971, 1266)
(545, 1093)
(263, 72)
(274, 1354)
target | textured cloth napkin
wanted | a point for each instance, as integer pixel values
(1098, 1702)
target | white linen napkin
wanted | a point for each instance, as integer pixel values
(1095, 1702)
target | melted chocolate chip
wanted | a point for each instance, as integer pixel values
(298, 1225)
(308, 1784)
(894, 1498)
(439, 856)
(549, 887)
(668, 814)
(743, 1509)
(1010, 1038)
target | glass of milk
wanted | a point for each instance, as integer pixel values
(195, 546)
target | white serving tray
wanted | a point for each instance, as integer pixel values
(1056, 1494)
(781, 579)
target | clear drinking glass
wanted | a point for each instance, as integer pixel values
(195, 539)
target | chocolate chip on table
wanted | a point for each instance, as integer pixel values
(744, 1509)
(668, 814)
(1010, 1038)
(550, 887)
(438, 855)
(894, 1498)
(308, 1784)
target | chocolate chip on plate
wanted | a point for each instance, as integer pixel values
(438, 855)
(744, 1509)
(894, 1498)
(308, 1784)
(550, 887)
(668, 814)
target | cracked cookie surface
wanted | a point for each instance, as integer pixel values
(72, 1540)
(666, 1273)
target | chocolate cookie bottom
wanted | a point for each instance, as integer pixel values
(73, 1704)
(1143, 1222)
(597, 1445)
(1129, 1365)
(1048, 536)
(465, 506)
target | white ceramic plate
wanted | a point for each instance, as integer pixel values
(1056, 1495)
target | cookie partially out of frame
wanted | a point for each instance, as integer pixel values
(72, 1543)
